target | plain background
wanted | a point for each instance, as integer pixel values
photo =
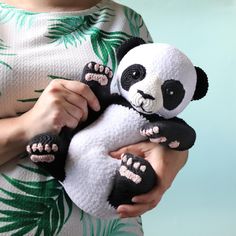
(202, 200)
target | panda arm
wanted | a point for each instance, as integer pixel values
(49, 150)
(98, 77)
(173, 133)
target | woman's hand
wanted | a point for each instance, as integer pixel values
(62, 103)
(166, 164)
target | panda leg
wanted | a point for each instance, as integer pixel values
(174, 134)
(49, 151)
(134, 177)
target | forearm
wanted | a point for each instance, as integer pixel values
(13, 138)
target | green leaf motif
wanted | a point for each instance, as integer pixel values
(28, 100)
(4, 47)
(113, 227)
(71, 30)
(34, 99)
(21, 17)
(105, 43)
(57, 77)
(41, 207)
(135, 21)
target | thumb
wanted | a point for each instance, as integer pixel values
(134, 149)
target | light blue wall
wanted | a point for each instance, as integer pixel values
(202, 200)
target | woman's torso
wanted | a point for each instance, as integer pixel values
(34, 49)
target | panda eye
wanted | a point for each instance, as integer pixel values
(170, 92)
(132, 75)
(173, 93)
(136, 74)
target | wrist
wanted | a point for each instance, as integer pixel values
(18, 131)
(26, 127)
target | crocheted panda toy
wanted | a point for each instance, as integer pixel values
(153, 84)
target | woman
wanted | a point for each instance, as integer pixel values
(43, 48)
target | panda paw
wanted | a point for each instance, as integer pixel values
(134, 177)
(154, 134)
(172, 134)
(96, 72)
(131, 168)
(43, 148)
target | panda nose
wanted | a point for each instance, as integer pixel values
(145, 95)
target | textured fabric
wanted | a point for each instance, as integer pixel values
(90, 171)
(34, 49)
(169, 64)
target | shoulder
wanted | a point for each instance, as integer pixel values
(123, 10)
(127, 19)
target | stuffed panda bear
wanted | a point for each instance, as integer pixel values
(154, 82)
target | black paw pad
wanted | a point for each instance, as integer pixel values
(132, 168)
(134, 177)
(43, 148)
(96, 72)
(160, 134)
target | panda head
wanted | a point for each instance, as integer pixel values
(158, 78)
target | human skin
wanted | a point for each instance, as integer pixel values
(64, 103)
(166, 163)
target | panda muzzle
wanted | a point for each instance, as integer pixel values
(145, 95)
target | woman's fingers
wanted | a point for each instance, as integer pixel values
(142, 203)
(62, 103)
(84, 91)
(76, 106)
(135, 149)
(125, 211)
(73, 115)
(153, 196)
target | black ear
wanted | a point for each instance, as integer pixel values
(127, 46)
(202, 84)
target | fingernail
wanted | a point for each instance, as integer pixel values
(121, 209)
(134, 199)
(97, 107)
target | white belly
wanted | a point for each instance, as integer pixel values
(89, 168)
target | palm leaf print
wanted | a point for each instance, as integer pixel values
(21, 17)
(57, 77)
(114, 227)
(41, 207)
(73, 29)
(135, 21)
(105, 43)
(136, 24)
(3, 47)
(34, 99)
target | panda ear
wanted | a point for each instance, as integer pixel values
(202, 84)
(127, 46)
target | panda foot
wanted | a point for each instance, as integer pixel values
(134, 177)
(157, 134)
(172, 133)
(97, 72)
(43, 148)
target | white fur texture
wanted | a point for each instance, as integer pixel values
(89, 169)
(162, 62)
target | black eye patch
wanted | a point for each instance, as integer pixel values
(132, 75)
(173, 93)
